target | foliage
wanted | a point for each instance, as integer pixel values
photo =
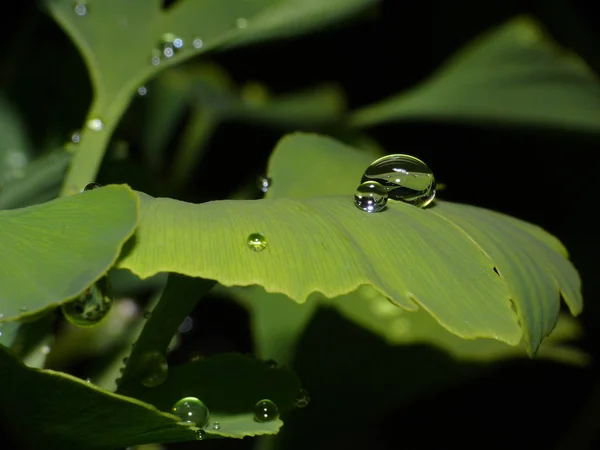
(463, 285)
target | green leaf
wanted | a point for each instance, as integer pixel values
(513, 76)
(53, 251)
(15, 147)
(370, 310)
(277, 322)
(40, 182)
(65, 412)
(416, 257)
(229, 385)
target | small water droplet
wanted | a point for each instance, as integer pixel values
(168, 46)
(241, 23)
(216, 426)
(257, 242)
(81, 9)
(271, 363)
(142, 90)
(91, 186)
(91, 306)
(95, 124)
(302, 399)
(191, 410)
(75, 137)
(264, 183)
(404, 177)
(155, 60)
(200, 434)
(197, 43)
(23, 309)
(153, 369)
(265, 411)
(88, 380)
(370, 197)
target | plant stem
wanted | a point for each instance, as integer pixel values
(177, 301)
(93, 143)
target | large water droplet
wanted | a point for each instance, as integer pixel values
(192, 410)
(404, 177)
(302, 399)
(370, 197)
(266, 411)
(153, 369)
(264, 183)
(257, 242)
(95, 124)
(91, 306)
(81, 9)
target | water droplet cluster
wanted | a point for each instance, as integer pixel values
(264, 183)
(91, 306)
(395, 177)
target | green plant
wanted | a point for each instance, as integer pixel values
(476, 284)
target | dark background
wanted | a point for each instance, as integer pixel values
(521, 404)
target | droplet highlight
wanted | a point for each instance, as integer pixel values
(266, 411)
(404, 178)
(257, 242)
(264, 183)
(91, 306)
(371, 197)
(95, 124)
(153, 369)
(191, 410)
(216, 426)
(302, 399)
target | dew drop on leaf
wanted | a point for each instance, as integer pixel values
(142, 91)
(169, 45)
(264, 183)
(266, 411)
(91, 306)
(371, 197)
(81, 9)
(241, 23)
(257, 242)
(191, 410)
(92, 186)
(200, 435)
(95, 124)
(404, 177)
(302, 398)
(216, 426)
(197, 43)
(75, 137)
(153, 369)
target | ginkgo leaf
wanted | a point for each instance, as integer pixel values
(65, 412)
(514, 75)
(415, 257)
(53, 251)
